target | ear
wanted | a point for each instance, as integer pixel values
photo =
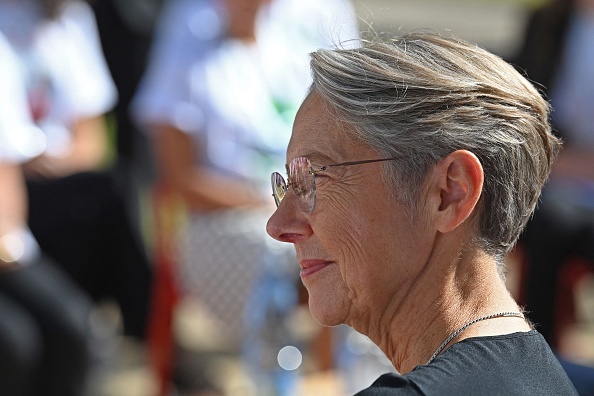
(456, 188)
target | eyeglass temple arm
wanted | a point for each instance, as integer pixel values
(323, 168)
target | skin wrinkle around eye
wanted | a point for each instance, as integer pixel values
(320, 176)
(338, 183)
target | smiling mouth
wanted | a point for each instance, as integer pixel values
(310, 267)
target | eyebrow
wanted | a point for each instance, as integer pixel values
(316, 158)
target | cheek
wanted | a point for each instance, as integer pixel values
(342, 225)
(353, 215)
(376, 246)
(354, 234)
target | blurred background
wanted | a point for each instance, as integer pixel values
(137, 193)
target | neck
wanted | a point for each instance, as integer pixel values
(446, 295)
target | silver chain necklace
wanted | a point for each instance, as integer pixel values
(461, 329)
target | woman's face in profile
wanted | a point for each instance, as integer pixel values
(357, 250)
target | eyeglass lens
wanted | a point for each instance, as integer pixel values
(301, 180)
(279, 187)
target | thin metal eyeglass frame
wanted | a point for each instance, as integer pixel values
(313, 172)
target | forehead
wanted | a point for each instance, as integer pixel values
(320, 136)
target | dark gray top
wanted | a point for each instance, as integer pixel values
(513, 364)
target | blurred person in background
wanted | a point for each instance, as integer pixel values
(44, 334)
(76, 208)
(125, 30)
(558, 54)
(218, 98)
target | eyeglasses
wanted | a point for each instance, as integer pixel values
(302, 179)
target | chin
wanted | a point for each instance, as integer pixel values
(326, 309)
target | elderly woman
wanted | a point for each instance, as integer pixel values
(412, 168)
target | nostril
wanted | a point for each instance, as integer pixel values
(274, 225)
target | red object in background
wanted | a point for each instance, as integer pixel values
(161, 340)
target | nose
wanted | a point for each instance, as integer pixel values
(288, 223)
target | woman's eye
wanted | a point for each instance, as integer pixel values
(298, 190)
(296, 187)
(321, 178)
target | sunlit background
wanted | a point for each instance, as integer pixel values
(494, 24)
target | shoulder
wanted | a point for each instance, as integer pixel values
(513, 364)
(390, 384)
(519, 363)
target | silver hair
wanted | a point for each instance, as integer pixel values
(422, 96)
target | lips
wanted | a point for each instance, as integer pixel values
(310, 267)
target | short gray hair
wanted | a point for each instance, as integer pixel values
(422, 96)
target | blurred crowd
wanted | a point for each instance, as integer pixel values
(137, 139)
